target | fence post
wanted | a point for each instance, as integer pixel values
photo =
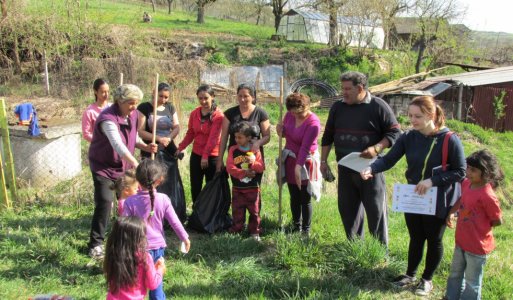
(7, 176)
(47, 79)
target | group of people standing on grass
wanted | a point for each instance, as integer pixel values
(360, 122)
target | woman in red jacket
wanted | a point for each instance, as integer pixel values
(205, 130)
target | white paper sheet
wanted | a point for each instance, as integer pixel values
(405, 199)
(355, 162)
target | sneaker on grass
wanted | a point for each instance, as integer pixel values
(424, 287)
(97, 252)
(404, 280)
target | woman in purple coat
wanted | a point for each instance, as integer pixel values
(112, 153)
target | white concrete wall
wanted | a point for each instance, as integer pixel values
(46, 162)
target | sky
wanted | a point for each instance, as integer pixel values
(488, 15)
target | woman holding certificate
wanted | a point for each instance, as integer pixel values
(423, 147)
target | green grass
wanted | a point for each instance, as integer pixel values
(43, 246)
(130, 13)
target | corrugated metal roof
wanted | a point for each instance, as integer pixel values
(477, 78)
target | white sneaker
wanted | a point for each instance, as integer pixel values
(256, 237)
(97, 252)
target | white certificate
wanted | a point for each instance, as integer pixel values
(355, 162)
(405, 199)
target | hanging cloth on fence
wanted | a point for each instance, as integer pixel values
(33, 129)
(24, 113)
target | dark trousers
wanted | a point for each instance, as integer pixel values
(103, 198)
(243, 200)
(424, 228)
(197, 173)
(356, 195)
(301, 207)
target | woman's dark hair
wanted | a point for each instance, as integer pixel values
(125, 251)
(299, 102)
(209, 90)
(250, 88)
(164, 87)
(147, 173)
(244, 128)
(429, 107)
(485, 161)
(97, 84)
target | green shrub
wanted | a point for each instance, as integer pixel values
(218, 58)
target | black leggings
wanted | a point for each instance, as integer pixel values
(103, 198)
(197, 173)
(301, 207)
(422, 228)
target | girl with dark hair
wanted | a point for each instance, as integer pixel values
(153, 208)
(478, 211)
(249, 112)
(205, 131)
(167, 129)
(422, 146)
(129, 269)
(101, 95)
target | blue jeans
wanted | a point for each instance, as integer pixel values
(158, 293)
(466, 275)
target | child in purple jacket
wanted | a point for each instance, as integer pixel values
(154, 207)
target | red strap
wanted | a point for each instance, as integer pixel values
(445, 149)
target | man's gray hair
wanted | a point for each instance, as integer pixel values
(127, 92)
(355, 77)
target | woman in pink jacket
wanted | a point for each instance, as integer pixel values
(101, 95)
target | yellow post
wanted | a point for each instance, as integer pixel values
(7, 176)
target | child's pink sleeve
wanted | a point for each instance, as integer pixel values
(152, 277)
(258, 166)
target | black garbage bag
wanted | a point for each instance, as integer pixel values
(210, 210)
(172, 185)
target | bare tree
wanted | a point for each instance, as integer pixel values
(387, 11)
(169, 3)
(201, 10)
(260, 5)
(433, 17)
(332, 7)
(153, 5)
(278, 6)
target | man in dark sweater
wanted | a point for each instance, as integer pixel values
(360, 123)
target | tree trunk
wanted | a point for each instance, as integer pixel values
(169, 3)
(259, 13)
(17, 62)
(333, 41)
(3, 4)
(277, 19)
(420, 55)
(153, 5)
(201, 12)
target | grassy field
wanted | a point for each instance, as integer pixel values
(43, 246)
(130, 13)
